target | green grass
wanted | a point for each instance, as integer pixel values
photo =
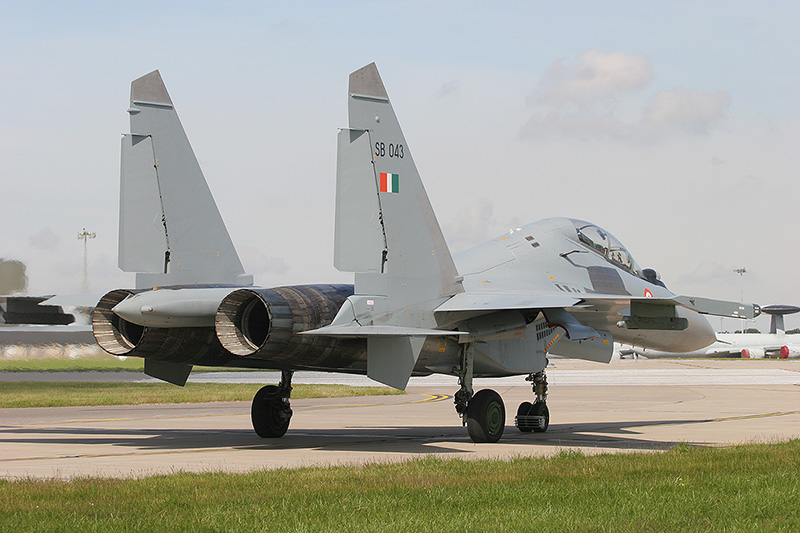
(62, 394)
(105, 363)
(744, 488)
(84, 363)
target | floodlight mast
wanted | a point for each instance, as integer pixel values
(741, 271)
(85, 236)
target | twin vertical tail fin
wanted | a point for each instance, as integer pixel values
(170, 230)
(386, 230)
(387, 233)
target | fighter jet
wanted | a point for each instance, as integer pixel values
(555, 286)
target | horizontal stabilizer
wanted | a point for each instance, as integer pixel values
(378, 331)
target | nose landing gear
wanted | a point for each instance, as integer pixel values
(534, 416)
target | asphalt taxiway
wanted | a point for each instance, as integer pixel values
(627, 406)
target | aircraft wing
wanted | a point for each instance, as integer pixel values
(708, 306)
(483, 303)
(585, 317)
(489, 302)
(73, 300)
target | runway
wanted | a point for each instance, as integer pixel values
(630, 405)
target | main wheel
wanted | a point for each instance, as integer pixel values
(270, 413)
(486, 416)
(540, 409)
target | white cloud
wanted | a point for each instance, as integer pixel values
(682, 110)
(577, 124)
(595, 76)
(582, 101)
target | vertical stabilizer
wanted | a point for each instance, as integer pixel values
(170, 230)
(777, 325)
(386, 232)
(398, 249)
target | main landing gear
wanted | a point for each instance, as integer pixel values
(270, 411)
(534, 416)
(483, 413)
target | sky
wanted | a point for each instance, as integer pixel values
(673, 125)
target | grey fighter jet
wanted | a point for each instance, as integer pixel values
(556, 286)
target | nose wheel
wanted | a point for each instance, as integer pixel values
(534, 416)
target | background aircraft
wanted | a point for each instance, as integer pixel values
(495, 310)
(39, 321)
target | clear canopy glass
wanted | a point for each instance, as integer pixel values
(605, 244)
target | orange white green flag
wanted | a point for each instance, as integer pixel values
(390, 182)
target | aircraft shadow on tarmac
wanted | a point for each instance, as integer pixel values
(414, 440)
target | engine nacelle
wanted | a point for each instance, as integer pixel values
(264, 324)
(118, 336)
(753, 353)
(791, 351)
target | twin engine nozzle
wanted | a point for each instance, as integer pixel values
(164, 323)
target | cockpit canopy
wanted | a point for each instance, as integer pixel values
(602, 242)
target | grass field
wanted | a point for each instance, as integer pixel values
(78, 364)
(101, 363)
(62, 394)
(744, 488)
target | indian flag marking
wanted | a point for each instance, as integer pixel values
(390, 182)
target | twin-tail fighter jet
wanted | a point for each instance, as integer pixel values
(559, 285)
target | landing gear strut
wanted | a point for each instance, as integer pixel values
(534, 416)
(270, 411)
(483, 413)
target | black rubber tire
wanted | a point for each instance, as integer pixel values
(486, 416)
(268, 413)
(540, 409)
(524, 409)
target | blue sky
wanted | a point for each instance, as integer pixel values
(673, 125)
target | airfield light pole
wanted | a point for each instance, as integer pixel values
(741, 271)
(85, 235)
